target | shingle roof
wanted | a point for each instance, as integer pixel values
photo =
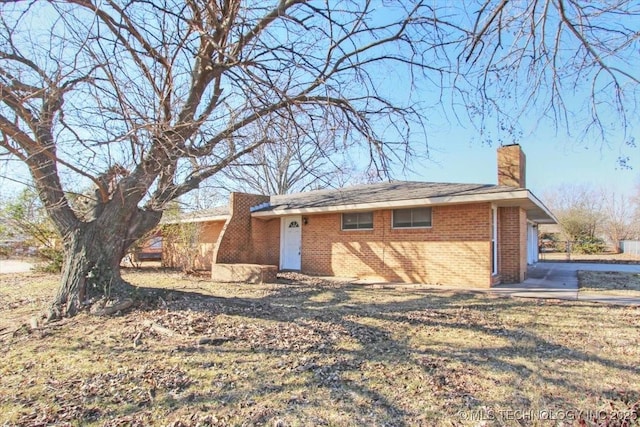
(396, 193)
(382, 192)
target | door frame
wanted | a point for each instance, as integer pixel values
(532, 243)
(283, 221)
(495, 241)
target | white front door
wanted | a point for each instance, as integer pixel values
(290, 242)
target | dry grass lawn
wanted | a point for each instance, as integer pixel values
(308, 352)
(602, 257)
(609, 282)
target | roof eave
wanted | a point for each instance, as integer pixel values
(212, 218)
(513, 197)
(544, 214)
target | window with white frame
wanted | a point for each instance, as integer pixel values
(357, 221)
(412, 218)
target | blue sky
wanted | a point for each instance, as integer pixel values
(554, 158)
(456, 154)
(550, 163)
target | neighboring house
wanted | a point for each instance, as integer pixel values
(470, 235)
(16, 246)
(551, 238)
(150, 249)
(147, 249)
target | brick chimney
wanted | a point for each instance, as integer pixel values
(512, 166)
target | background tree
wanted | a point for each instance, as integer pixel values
(588, 215)
(145, 101)
(578, 208)
(24, 217)
(290, 161)
(620, 218)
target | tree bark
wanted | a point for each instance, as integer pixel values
(93, 252)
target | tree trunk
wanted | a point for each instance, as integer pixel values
(616, 245)
(93, 252)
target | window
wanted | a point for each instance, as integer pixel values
(410, 218)
(357, 221)
(155, 243)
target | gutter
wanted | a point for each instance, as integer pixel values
(443, 200)
(510, 196)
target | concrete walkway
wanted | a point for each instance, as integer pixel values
(8, 266)
(559, 280)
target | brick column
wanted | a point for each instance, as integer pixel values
(235, 244)
(512, 246)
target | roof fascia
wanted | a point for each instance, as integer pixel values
(541, 205)
(394, 204)
(201, 219)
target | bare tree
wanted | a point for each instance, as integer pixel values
(569, 61)
(620, 221)
(290, 161)
(587, 213)
(24, 215)
(146, 100)
(578, 209)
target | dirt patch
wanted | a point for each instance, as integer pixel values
(609, 282)
(313, 352)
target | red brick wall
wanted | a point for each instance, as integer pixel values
(512, 246)
(454, 251)
(210, 232)
(241, 239)
(266, 241)
(176, 255)
(235, 244)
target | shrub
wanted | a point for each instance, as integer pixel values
(5, 251)
(53, 259)
(589, 246)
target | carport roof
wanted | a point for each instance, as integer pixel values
(403, 194)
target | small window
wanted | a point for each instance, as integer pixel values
(294, 224)
(412, 218)
(357, 221)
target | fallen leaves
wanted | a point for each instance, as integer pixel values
(609, 282)
(307, 351)
(79, 398)
(42, 415)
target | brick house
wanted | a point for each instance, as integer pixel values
(470, 235)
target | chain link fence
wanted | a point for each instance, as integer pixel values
(566, 249)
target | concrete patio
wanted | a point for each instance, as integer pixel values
(559, 280)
